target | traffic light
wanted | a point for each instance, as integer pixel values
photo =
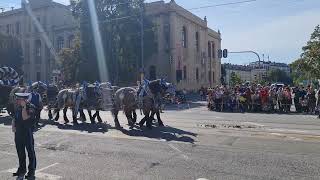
(225, 53)
(219, 53)
(222, 53)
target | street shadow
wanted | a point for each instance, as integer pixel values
(183, 106)
(167, 133)
(87, 127)
(5, 120)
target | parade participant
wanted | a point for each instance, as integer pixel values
(22, 127)
(36, 101)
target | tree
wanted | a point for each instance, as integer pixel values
(308, 66)
(235, 79)
(11, 53)
(69, 61)
(278, 75)
(119, 25)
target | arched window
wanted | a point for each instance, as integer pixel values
(60, 43)
(184, 72)
(197, 41)
(184, 37)
(209, 49)
(37, 52)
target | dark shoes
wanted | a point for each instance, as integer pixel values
(19, 173)
(30, 176)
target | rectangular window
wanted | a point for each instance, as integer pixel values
(38, 76)
(8, 28)
(18, 28)
(213, 51)
(213, 76)
(178, 75)
(184, 72)
(197, 41)
(209, 76)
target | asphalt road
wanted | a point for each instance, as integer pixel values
(195, 144)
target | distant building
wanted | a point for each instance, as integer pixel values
(260, 70)
(254, 71)
(244, 72)
(57, 24)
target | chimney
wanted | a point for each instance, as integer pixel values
(205, 19)
(12, 8)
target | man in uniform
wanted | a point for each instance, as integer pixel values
(22, 126)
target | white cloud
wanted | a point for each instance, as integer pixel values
(281, 38)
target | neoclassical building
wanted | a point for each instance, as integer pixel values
(187, 47)
(43, 32)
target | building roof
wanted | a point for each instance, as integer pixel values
(34, 7)
(237, 67)
(160, 7)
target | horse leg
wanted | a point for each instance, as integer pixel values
(149, 121)
(144, 119)
(66, 120)
(160, 123)
(74, 117)
(91, 117)
(97, 114)
(116, 121)
(129, 118)
(134, 114)
(57, 112)
(50, 114)
(82, 115)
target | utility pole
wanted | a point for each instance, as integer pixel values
(142, 43)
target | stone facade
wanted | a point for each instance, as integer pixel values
(187, 48)
(43, 31)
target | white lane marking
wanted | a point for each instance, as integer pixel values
(202, 179)
(255, 124)
(178, 150)
(39, 175)
(47, 167)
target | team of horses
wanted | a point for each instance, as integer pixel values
(95, 97)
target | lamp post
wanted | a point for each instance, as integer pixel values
(142, 44)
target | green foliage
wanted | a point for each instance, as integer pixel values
(308, 66)
(69, 61)
(278, 75)
(120, 37)
(11, 53)
(235, 79)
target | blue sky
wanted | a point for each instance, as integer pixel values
(278, 28)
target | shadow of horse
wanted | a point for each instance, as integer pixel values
(167, 133)
(5, 120)
(87, 127)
